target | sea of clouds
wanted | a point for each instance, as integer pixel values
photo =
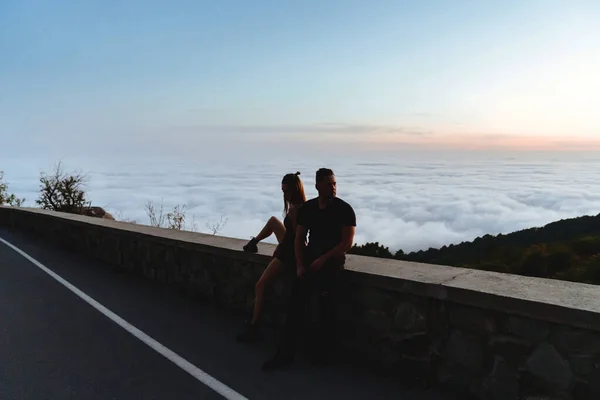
(406, 201)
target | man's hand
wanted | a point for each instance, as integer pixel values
(317, 264)
(300, 271)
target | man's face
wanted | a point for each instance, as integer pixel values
(327, 187)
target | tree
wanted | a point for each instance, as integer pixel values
(5, 197)
(559, 261)
(494, 266)
(371, 249)
(399, 255)
(591, 273)
(586, 246)
(61, 191)
(535, 264)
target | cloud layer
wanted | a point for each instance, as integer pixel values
(409, 202)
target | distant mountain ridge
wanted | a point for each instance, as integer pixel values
(567, 249)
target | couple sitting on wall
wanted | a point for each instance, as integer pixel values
(330, 223)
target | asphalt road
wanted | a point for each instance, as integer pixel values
(55, 345)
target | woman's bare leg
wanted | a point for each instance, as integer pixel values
(266, 279)
(273, 225)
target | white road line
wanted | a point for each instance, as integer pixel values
(176, 359)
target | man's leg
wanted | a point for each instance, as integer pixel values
(293, 325)
(327, 290)
(295, 315)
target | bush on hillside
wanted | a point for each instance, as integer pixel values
(370, 249)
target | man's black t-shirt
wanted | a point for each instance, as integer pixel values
(325, 225)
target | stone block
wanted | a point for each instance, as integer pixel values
(582, 391)
(438, 322)
(546, 364)
(226, 291)
(169, 255)
(220, 272)
(408, 317)
(235, 268)
(203, 284)
(241, 283)
(196, 264)
(464, 349)
(157, 255)
(472, 319)
(412, 345)
(258, 270)
(575, 341)
(185, 258)
(594, 381)
(249, 273)
(584, 365)
(378, 322)
(512, 349)
(456, 378)
(376, 299)
(501, 383)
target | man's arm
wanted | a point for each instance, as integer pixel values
(348, 222)
(344, 245)
(299, 247)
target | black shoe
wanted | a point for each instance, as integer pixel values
(250, 334)
(251, 246)
(280, 360)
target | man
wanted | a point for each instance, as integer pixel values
(330, 223)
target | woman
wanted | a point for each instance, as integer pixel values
(284, 255)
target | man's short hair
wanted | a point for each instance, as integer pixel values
(323, 173)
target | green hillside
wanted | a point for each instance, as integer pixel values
(568, 249)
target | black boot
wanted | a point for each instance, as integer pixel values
(280, 360)
(250, 334)
(251, 246)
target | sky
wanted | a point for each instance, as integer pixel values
(238, 76)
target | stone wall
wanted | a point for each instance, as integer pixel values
(480, 334)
